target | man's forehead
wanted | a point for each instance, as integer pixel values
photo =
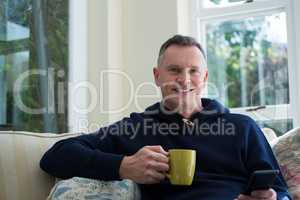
(183, 55)
(181, 66)
(180, 49)
(181, 52)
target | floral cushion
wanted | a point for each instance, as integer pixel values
(89, 189)
(287, 151)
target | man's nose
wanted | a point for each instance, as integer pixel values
(184, 78)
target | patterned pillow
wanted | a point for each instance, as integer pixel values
(89, 189)
(287, 151)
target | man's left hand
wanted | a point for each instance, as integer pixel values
(269, 194)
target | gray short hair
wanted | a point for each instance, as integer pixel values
(179, 40)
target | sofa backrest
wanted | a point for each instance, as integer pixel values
(20, 175)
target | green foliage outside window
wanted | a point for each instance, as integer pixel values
(248, 64)
(20, 54)
(239, 49)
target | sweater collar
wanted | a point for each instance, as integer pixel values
(211, 108)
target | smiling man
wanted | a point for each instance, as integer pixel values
(181, 74)
(230, 147)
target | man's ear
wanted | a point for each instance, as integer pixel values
(205, 78)
(156, 76)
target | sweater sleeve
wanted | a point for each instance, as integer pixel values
(260, 156)
(89, 156)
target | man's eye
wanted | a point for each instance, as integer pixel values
(175, 70)
(193, 71)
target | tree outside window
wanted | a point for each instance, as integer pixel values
(34, 64)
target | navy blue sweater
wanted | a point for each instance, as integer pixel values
(229, 148)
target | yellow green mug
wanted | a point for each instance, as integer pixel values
(182, 166)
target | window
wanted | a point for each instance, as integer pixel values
(33, 64)
(221, 3)
(248, 56)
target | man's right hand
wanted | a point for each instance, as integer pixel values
(147, 166)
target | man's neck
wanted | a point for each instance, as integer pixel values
(186, 111)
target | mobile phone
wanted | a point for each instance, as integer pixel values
(261, 180)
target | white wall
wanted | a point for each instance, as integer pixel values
(125, 36)
(104, 53)
(147, 24)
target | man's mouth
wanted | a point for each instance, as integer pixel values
(182, 91)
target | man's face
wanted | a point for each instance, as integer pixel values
(181, 76)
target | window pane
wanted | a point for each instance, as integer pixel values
(14, 20)
(15, 64)
(221, 3)
(247, 61)
(33, 64)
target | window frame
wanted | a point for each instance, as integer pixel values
(200, 16)
(78, 65)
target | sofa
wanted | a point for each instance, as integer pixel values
(20, 174)
(21, 177)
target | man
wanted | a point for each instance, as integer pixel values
(229, 146)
